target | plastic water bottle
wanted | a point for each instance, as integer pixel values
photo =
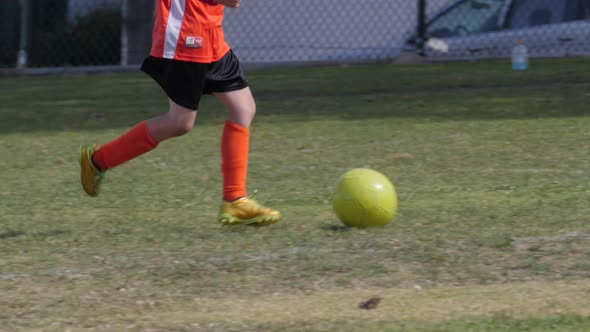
(520, 58)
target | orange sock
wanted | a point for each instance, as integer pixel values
(235, 143)
(132, 144)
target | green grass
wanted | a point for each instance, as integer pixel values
(491, 169)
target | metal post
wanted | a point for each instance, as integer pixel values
(421, 32)
(25, 15)
(124, 33)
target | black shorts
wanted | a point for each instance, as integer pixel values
(184, 82)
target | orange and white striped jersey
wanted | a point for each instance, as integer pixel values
(189, 30)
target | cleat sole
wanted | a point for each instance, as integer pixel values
(259, 221)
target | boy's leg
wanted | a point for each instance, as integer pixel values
(235, 141)
(141, 139)
(237, 208)
(145, 137)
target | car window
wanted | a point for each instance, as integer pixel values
(530, 13)
(465, 18)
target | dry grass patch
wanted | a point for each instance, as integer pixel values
(430, 305)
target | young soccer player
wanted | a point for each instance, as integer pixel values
(190, 57)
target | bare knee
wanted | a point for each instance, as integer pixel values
(179, 123)
(180, 128)
(250, 111)
(240, 104)
(243, 115)
(180, 120)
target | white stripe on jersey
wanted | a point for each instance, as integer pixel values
(173, 28)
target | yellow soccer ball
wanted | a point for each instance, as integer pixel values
(364, 198)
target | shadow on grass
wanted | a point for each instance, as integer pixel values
(336, 228)
(9, 234)
(433, 93)
(37, 235)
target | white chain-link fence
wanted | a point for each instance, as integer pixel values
(64, 33)
(327, 30)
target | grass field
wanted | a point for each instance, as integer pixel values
(491, 168)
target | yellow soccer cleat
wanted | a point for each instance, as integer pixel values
(90, 176)
(246, 211)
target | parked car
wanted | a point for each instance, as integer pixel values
(490, 28)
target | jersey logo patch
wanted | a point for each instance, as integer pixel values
(194, 42)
